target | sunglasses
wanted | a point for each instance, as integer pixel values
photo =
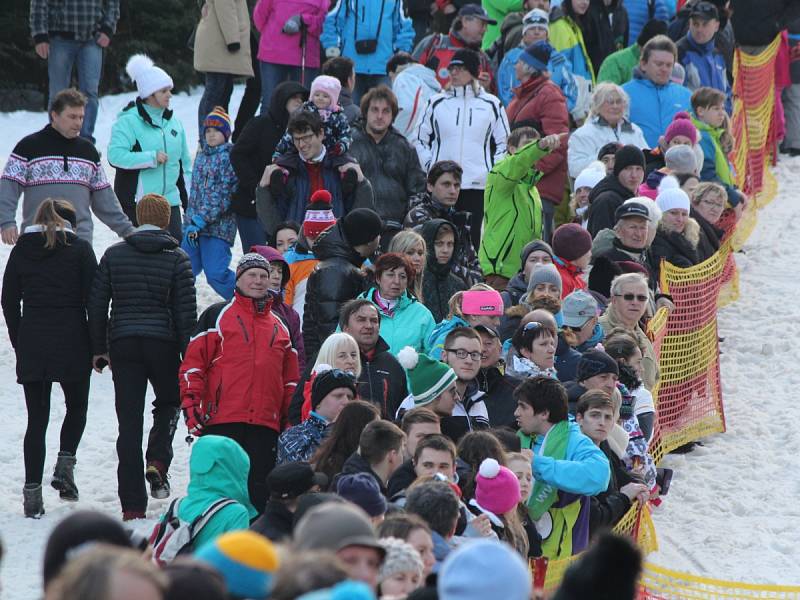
(532, 325)
(632, 297)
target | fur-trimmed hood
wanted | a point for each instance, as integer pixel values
(691, 232)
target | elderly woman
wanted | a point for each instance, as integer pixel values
(608, 122)
(678, 234)
(709, 201)
(405, 321)
(629, 301)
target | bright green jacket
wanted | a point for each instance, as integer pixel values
(618, 66)
(218, 469)
(512, 214)
(138, 134)
(410, 324)
(715, 164)
(497, 10)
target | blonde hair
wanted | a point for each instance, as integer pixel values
(403, 243)
(333, 344)
(602, 93)
(708, 187)
(454, 304)
(56, 217)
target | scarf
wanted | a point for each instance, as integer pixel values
(555, 446)
(721, 164)
(521, 366)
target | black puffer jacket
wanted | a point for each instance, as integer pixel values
(382, 381)
(252, 152)
(50, 336)
(438, 283)
(674, 247)
(392, 167)
(606, 197)
(335, 280)
(148, 280)
(710, 237)
(499, 398)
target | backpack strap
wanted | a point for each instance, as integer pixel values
(203, 519)
(170, 519)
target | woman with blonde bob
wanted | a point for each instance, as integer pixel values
(608, 122)
(412, 244)
(338, 351)
(46, 287)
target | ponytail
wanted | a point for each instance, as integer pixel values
(56, 217)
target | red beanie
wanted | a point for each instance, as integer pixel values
(319, 214)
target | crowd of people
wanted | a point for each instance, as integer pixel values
(431, 362)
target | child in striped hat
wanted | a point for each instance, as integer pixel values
(209, 228)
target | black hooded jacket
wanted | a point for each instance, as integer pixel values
(45, 292)
(710, 237)
(149, 282)
(335, 280)
(438, 282)
(607, 30)
(606, 197)
(252, 152)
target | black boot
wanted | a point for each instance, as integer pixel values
(64, 477)
(32, 500)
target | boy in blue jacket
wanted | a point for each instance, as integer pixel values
(209, 228)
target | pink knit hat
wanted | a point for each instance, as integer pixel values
(329, 85)
(681, 125)
(482, 302)
(496, 487)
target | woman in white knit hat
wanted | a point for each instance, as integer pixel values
(678, 234)
(148, 144)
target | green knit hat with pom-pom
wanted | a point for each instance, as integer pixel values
(427, 377)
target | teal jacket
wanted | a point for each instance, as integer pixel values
(584, 469)
(139, 133)
(218, 469)
(410, 324)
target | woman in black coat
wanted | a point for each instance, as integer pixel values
(50, 272)
(709, 201)
(677, 235)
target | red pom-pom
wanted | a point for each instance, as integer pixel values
(322, 197)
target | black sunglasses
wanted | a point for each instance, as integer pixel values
(632, 297)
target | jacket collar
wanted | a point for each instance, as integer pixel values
(252, 305)
(145, 115)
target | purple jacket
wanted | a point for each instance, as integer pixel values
(280, 48)
(285, 312)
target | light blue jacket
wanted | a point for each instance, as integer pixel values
(584, 470)
(639, 14)
(653, 107)
(410, 324)
(396, 32)
(560, 73)
(435, 343)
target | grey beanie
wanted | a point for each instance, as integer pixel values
(545, 274)
(681, 160)
(533, 247)
(400, 557)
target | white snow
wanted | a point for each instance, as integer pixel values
(732, 512)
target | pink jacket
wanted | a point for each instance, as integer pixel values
(279, 48)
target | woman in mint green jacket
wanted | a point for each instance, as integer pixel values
(405, 321)
(148, 145)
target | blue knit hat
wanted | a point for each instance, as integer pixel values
(362, 490)
(463, 575)
(245, 559)
(537, 55)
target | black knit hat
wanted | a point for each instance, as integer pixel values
(595, 362)
(609, 148)
(627, 156)
(361, 226)
(532, 247)
(327, 381)
(468, 59)
(650, 30)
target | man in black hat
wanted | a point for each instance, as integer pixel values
(286, 483)
(467, 31)
(608, 195)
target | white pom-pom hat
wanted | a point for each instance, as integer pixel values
(671, 196)
(148, 77)
(427, 377)
(496, 487)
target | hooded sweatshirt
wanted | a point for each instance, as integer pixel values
(438, 282)
(218, 469)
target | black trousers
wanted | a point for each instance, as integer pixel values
(261, 445)
(134, 362)
(37, 400)
(472, 201)
(251, 99)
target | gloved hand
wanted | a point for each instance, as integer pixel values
(190, 234)
(194, 417)
(293, 25)
(332, 52)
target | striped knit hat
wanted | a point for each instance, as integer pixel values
(245, 559)
(319, 214)
(218, 119)
(428, 377)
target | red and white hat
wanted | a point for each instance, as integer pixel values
(319, 214)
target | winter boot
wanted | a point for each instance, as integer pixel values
(130, 515)
(156, 476)
(32, 500)
(64, 477)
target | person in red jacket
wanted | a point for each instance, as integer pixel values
(539, 102)
(572, 253)
(241, 389)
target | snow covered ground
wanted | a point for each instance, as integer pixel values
(732, 511)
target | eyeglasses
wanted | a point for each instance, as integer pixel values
(303, 139)
(712, 203)
(462, 354)
(632, 297)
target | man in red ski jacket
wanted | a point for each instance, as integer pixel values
(240, 371)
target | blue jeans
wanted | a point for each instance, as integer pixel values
(212, 255)
(88, 57)
(218, 90)
(272, 75)
(251, 233)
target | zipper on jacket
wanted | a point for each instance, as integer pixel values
(458, 115)
(244, 329)
(461, 146)
(164, 166)
(274, 334)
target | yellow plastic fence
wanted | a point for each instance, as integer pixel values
(659, 583)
